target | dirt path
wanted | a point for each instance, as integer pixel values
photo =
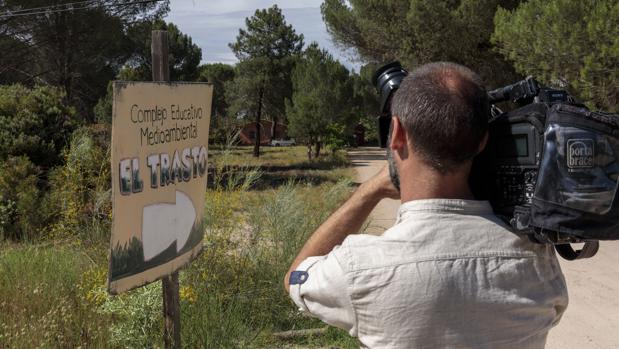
(592, 317)
(368, 161)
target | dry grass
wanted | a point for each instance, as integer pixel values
(231, 295)
(293, 157)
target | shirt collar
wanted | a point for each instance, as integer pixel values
(456, 206)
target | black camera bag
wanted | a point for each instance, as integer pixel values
(575, 197)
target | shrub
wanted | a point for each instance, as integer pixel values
(81, 188)
(336, 136)
(138, 315)
(103, 108)
(34, 122)
(20, 199)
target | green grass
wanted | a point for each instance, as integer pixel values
(40, 303)
(258, 213)
(279, 165)
(291, 157)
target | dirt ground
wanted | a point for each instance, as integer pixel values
(592, 317)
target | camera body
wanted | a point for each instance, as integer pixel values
(506, 172)
(550, 168)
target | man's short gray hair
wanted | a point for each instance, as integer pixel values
(445, 110)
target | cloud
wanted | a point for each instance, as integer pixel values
(212, 32)
(226, 6)
(214, 24)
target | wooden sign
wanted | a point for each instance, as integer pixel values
(159, 168)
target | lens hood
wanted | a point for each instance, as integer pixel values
(386, 80)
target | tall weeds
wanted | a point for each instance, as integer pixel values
(231, 295)
(250, 242)
(40, 303)
(81, 192)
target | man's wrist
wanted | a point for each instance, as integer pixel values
(380, 187)
(370, 192)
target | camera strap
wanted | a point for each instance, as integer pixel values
(520, 223)
(589, 250)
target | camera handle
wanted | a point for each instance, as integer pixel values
(517, 92)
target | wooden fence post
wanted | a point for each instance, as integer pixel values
(170, 284)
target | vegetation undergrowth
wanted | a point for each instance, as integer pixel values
(257, 214)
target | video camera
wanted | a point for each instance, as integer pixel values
(550, 168)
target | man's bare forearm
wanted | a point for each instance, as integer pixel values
(347, 220)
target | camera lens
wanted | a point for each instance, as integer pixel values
(387, 79)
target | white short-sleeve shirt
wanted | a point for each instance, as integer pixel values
(448, 274)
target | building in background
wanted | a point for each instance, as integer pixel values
(248, 133)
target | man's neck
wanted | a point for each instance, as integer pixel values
(423, 182)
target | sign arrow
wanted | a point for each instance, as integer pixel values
(164, 223)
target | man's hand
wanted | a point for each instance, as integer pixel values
(384, 185)
(347, 220)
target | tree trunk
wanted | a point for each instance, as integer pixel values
(309, 151)
(273, 128)
(258, 119)
(317, 153)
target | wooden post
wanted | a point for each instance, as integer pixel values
(171, 312)
(170, 285)
(159, 54)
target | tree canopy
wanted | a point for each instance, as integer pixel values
(568, 44)
(217, 74)
(34, 123)
(184, 55)
(78, 51)
(321, 108)
(266, 50)
(421, 31)
(365, 104)
(220, 75)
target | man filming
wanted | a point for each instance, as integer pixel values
(449, 273)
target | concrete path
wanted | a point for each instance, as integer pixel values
(592, 317)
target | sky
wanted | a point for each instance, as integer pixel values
(212, 24)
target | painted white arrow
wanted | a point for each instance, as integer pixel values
(162, 224)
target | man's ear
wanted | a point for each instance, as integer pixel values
(398, 134)
(482, 144)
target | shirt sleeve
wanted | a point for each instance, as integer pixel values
(324, 293)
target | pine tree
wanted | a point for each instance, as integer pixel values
(421, 31)
(567, 44)
(75, 46)
(321, 106)
(266, 50)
